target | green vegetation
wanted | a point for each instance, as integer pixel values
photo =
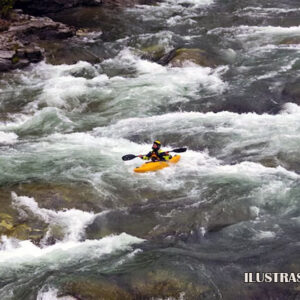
(15, 59)
(5, 8)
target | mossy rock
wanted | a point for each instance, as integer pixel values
(21, 232)
(95, 290)
(15, 60)
(162, 284)
(6, 223)
(11, 227)
(153, 53)
(197, 56)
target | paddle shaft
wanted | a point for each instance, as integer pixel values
(132, 156)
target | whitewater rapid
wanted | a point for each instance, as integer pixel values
(231, 204)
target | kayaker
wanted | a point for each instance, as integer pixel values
(156, 154)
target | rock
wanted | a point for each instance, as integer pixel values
(62, 52)
(4, 25)
(41, 28)
(197, 56)
(5, 54)
(12, 227)
(153, 53)
(37, 7)
(18, 59)
(291, 91)
(290, 41)
(22, 63)
(17, 44)
(5, 65)
(162, 284)
(270, 162)
(118, 221)
(156, 284)
(59, 196)
(95, 290)
(6, 222)
(33, 54)
(167, 57)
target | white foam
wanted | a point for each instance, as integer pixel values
(278, 132)
(258, 36)
(254, 210)
(263, 235)
(8, 138)
(48, 119)
(245, 30)
(64, 252)
(60, 88)
(264, 12)
(151, 85)
(49, 293)
(72, 221)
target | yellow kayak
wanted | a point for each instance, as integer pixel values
(157, 165)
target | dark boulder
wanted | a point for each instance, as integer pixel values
(291, 92)
(182, 56)
(5, 65)
(18, 46)
(41, 28)
(37, 7)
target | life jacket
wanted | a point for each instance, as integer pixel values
(153, 155)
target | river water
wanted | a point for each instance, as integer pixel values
(231, 205)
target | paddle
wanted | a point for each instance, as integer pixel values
(132, 156)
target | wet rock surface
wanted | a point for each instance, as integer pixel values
(39, 7)
(18, 226)
(291, 91)
(197, 56)
(18, 42)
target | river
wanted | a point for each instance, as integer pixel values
(190, 231)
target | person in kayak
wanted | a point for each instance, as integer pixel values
(156, 154)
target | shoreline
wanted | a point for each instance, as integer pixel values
(23, 33)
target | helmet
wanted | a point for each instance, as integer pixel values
(158, 143)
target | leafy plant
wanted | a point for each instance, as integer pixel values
(5, 8)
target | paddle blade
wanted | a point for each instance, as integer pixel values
(128, 157)
(179, 150)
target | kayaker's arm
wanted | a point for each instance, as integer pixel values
(145, 157)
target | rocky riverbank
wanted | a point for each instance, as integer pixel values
(22, 33)
(19, 35)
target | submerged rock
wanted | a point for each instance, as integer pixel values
(30, 225)
(95, 290)
(61, 196)
(161, 284)
(182, 56)
(270, 162)
(291, 91)
(154, 284)
(63, 52)
(196, 56)
(153, 53)
(290, 41)
(13, 226)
